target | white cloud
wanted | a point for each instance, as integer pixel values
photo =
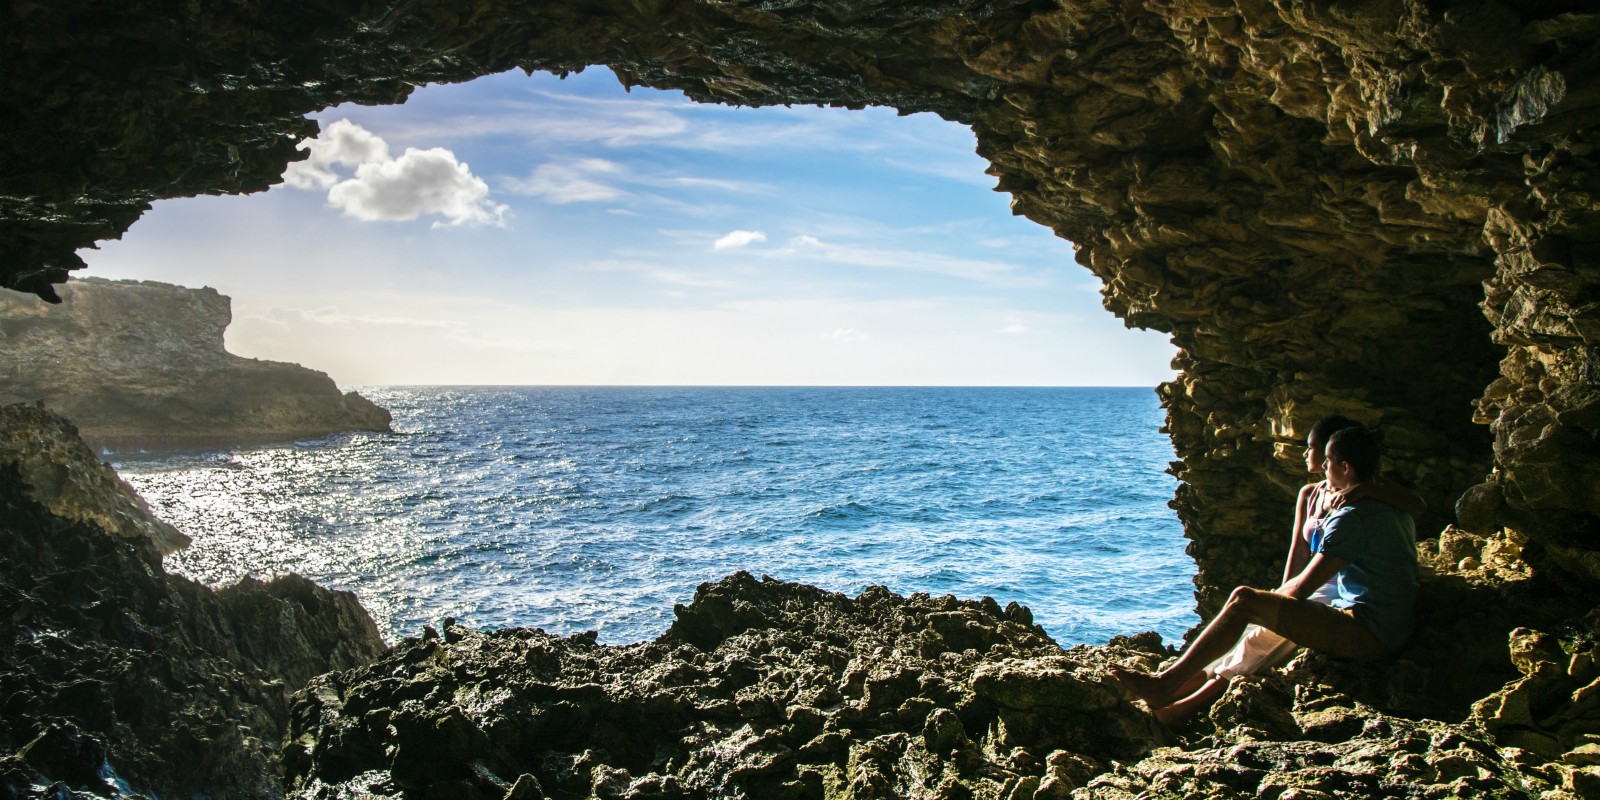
(739, 239)
(578, 183)
(344, 143)
(418, 183)
(1013, 326)
(804, 241)
(847, 335)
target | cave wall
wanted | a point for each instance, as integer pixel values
(1383, 208)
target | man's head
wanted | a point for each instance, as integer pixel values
(1352, 457)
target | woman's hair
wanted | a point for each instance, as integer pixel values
(1328, 426)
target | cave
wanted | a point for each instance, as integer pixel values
(1387, 209)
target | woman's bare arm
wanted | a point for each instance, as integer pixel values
(1299, 551)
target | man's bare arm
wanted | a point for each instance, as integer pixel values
(1318, 572)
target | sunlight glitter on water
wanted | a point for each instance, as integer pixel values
(598, 509)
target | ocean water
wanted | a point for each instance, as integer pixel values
(574, 509)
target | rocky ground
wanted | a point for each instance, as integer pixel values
(140, 364)
(122, 680)
(766, 689)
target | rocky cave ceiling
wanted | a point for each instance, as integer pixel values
(1385, 208)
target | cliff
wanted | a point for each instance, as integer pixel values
(115, 671)
(142, 364)
(1385, 208)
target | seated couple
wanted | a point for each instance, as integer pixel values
(1349, 584)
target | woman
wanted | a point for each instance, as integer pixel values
(1260, 648)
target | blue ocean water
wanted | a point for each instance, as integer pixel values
(574, 509)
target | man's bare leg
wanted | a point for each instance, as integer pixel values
(1305, 622)
(1192, 703)
(1165, 687)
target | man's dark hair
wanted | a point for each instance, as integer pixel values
(1328, 426)
(1357, 447)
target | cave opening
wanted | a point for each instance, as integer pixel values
(869, 242)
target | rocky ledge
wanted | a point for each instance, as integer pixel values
(142, 364)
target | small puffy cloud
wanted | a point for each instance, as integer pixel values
(580, 182)
(386, 189)
(739, 239)
(804, 241)
(1013, 326)
(847, 335)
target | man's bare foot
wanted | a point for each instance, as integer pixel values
(1173, 716)
(1148, 688)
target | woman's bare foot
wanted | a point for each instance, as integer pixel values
(1149, 688)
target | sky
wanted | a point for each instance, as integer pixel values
(534, 230)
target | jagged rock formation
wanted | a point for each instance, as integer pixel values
(114, 670)
(775, 690)
(142, 364)
(1386, 208)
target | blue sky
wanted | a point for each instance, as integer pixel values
(530, 230)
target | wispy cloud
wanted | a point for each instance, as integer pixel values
(284, 316)
(589, 180)
(738, 239)
(555, 119)
(847, 336)
(386, 189)
(580, 182)
(899, 259)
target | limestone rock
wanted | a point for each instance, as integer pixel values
(142, 364)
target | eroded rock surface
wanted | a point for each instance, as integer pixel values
(115, 671)
(760, 689)
(142, 364)
(767, 689)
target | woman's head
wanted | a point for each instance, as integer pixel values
(1317, 440)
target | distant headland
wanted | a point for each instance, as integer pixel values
(140, 364)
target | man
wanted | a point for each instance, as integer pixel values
(1368, 546)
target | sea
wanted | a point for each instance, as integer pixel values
(577, 509)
